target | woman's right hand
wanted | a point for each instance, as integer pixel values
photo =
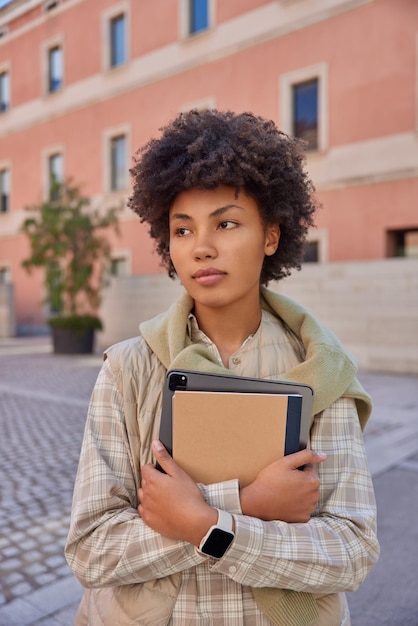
(283, 492)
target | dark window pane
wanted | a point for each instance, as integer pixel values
(49, 6)
(4, 203)
(4, 191)
(118, 267)
(118, 163)
(117, 41)
(55, 172)
(311, 252)
(5, 276)
(305, 112)
(403, 243)
(55, 69)
(4, 92)
(199, 18)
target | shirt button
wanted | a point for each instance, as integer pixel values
(232, 569)
(236, 360)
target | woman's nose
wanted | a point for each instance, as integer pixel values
(204, 247)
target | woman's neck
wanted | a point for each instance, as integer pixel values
(228, 329)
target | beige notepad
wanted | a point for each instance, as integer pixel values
(218, 436)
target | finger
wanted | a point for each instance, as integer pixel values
(311, 470)
(163, 458)
(304, 457)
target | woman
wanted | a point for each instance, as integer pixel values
(229, 204)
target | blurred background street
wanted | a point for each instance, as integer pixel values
(43, 405)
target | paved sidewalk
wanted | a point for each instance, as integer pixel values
(43, 403)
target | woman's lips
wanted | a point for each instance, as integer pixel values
(208, 276)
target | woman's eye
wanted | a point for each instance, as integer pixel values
(227, 224)
(181, 232)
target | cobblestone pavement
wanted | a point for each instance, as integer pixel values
(43, 400)
(43, 403)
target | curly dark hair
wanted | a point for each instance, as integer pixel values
(204, 149)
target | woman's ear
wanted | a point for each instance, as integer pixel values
(272, 239)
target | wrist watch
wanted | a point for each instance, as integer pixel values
(219, 537)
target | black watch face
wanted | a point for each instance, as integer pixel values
(217, 543)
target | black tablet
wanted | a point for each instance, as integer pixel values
(185, 380)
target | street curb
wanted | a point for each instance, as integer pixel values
(41, 603)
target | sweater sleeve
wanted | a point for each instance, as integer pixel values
(108, 543)
(335, 550)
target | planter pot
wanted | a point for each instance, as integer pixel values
(68, 341)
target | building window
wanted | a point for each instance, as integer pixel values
(119, 266)
(303, 105)
(305, 112)
(55, 174)
(118, 163)
(316, 246)
(55, 70)
(311, 252)
(198, 16)
(4, 91)
(50, 5)
(4, 191)
(117, 38)
(403, 243)
(5, 275)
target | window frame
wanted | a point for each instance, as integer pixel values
(50, 5)
(108, 16)
(51, 174)
(5, 71)
(6, 277)
(319, 236)
(109, 136)
(47, 48)
(396, 244)
(125, 255)
(287, 83)
(114, 51)
(5, 169)
(47, 155)
(296, 101)
(117, 147)
(52, 87)
(185, 20)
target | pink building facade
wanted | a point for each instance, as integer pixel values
(83, 83)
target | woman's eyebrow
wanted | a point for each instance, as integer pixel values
(225, 208)
(220, 211)
(180, 216)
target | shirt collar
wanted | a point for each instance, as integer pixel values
(198, 336)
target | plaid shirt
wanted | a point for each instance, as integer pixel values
(331, 553)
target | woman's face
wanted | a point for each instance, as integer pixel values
(218, 243)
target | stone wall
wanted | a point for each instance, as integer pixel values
(130, 300)
(372, 306)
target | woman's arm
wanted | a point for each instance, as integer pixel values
(108, 543)
(337, 547)
(331, 552)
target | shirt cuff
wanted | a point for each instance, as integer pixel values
(223, 496)
(244, 551)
